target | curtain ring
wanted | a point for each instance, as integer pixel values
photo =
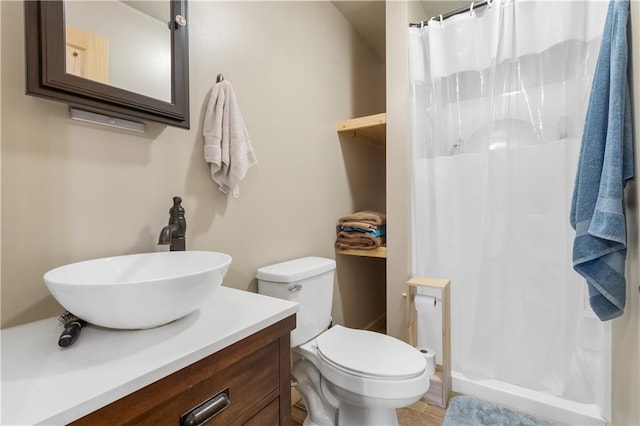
(471, 8)
(441, 20)
(426, 23)
(490, 3)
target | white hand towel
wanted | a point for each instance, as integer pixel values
(226, 140)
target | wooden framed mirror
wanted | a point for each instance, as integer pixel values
(70, 62)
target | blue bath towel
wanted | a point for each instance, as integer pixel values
(376, 232)
(604, 166)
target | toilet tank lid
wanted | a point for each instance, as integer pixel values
(296, 269)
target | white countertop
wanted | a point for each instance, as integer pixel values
(45, 384)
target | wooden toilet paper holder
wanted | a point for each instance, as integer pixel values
(440, 387)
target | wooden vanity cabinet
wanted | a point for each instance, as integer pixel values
(255, 370)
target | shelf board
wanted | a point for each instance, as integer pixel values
(377, 252)
(429, 282)
(373, 127)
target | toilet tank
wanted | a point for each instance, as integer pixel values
(307, 281)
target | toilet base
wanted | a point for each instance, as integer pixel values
(328, 405)
(350, 415)
(321, 406)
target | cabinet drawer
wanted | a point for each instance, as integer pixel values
(252, 380)
(268, 416)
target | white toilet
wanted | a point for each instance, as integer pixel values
(345, 376)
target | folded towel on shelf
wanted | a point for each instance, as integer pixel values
(226, 141)
(360, 225)
(604, 165)
(363, 219)
(376, 231)
(358, 240)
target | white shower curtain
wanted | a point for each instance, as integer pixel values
(499, 96)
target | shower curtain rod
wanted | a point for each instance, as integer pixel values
(450, 14)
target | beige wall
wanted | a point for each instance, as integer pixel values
(398, 167)
(74, 191)
(626, 330)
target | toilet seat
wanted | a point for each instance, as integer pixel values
(368, 354)
(395, 372)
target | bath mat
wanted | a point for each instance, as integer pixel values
(467, 410)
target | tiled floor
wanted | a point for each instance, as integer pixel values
(421, 414)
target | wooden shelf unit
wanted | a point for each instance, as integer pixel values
(377, 252)
(372, 127)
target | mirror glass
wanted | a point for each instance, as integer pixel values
(125, 44)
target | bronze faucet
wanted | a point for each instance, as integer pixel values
(174, 233)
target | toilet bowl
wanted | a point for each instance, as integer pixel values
(345, 376)
(367, 375)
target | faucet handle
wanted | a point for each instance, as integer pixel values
(174, 232)
(177, 209)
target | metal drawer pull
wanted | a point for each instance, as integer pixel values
(207, 410)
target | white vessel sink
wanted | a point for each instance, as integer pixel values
(139, 290)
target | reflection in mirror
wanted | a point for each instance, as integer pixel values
(125, 44)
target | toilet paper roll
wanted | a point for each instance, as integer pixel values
(430, 357)
(424, 303)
